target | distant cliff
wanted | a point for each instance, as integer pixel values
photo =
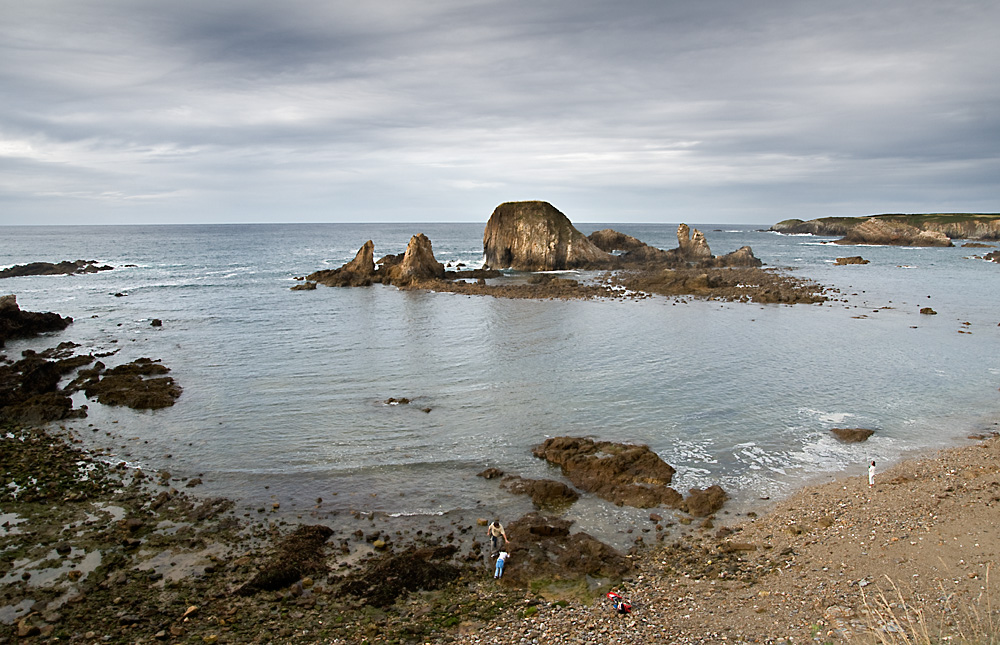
(971, 226)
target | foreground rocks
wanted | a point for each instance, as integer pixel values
(15, 323)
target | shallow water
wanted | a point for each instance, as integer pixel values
(284, 391)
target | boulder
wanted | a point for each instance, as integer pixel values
(624, 474)
(704, 502)
(535, 236)
(544, 493)
(893, 233)
(852, 435)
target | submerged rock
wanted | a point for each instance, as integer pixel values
(544, 493)
(854, 259)
(141, 385)
(852, 435)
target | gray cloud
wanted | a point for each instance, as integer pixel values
(715, 111)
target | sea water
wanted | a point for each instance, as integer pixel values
(285, 392)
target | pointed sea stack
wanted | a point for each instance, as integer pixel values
(535, 236)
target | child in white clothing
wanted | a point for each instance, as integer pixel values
(501, 559)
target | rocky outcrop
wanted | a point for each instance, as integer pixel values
(976, 226)
(412, 268)
(418, 264)
(535, 236)
(141, 385)
(885, 232)
(992, 257)
(609, 240)
(624, 474)
(15, 323)
(691, 245)
(825, 226)
(359, 272)
(854, 259)
(851, 435)
(65, 267)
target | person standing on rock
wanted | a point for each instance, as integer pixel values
(495, 531)
(501, 560)
(871, 475)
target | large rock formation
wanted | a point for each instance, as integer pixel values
(874, 231)
(535, 236)
(418, 264)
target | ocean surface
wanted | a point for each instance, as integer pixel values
(284, 391)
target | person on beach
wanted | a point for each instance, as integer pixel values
(501, 560)
(495, 531)
(871, 475)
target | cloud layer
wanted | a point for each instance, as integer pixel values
(713, 111)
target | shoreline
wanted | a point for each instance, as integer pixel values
(796, 570)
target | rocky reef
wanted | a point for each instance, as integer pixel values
(535, 236)
(66, 267)
(976, 226)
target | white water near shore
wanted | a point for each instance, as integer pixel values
(284, 391)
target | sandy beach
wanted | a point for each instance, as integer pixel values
(910, 557)
(838, 562)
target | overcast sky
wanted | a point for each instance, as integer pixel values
(711, 111)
